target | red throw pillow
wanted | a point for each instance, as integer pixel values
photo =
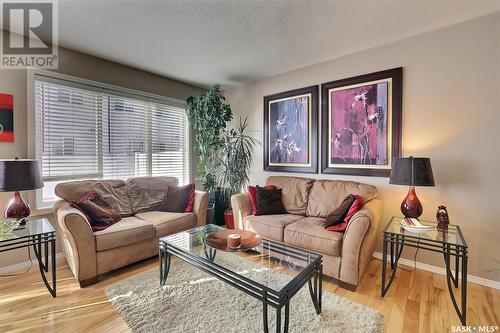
(98, 212)
(190, 204)
(355, 207)
(252, 190)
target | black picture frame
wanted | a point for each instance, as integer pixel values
(395, 75)
(312, 165)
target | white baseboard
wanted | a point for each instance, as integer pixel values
(440, 270)
(25, 264)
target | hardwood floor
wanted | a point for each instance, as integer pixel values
(418, 301)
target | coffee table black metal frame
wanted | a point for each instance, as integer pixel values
(398, 240)
(312, 275)
(40, 241)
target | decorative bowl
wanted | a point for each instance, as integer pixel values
(218, 240)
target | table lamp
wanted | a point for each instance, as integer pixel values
(412, 171)
(18, 175)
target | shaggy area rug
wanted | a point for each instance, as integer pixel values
(193, 301)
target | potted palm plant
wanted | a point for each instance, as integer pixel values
(236, 161)
(208, 115)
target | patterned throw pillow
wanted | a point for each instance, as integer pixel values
(98, 212)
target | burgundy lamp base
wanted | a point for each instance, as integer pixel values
(411, 206)
(17, 209)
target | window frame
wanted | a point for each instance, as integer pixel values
(34, 197)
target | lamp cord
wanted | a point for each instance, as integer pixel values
(17, 274)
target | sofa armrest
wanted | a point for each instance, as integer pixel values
(77, 239)
(241, 209)
(200, 207)
(359, 240)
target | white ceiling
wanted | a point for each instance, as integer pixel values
(239, 41)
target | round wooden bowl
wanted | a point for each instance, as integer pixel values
(218, 240)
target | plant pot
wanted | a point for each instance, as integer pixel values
(229, 219)
(221, 205)
(210, 213)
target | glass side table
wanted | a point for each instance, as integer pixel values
(450, 243)
(39, 234)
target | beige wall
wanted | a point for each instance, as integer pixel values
(451, 114)
(84, 66)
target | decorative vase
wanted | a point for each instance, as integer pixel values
(411, 206)
(17, 208)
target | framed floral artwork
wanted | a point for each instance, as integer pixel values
(291, 131)
(361, 123)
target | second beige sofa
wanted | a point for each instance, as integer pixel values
(308, 202)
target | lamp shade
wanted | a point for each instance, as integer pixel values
(19, 175)
(412, 171)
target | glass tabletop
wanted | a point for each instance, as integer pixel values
(451, 236)
(270, 264)
(32, 228)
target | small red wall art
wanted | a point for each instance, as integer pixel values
(6, 118)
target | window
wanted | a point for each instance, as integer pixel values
(91, 132)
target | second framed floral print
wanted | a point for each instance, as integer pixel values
(291, 131)
(361, 124)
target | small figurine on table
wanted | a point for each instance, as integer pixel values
(442, 218)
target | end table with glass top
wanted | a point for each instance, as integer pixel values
(451, 243)
(39, 234)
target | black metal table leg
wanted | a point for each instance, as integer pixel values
(462, 313)
(384, 266)
(165, 258)
(464, 288)
(264, 313)
(399, 244)
(392, 255)
(43, 267)
(315, 288)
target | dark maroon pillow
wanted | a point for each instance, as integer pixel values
(340, 213)
(178, 200)
(252, 193)
(98, 212)
(269, 201)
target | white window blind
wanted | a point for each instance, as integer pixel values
(85, 132)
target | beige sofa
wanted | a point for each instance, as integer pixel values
(308, 202)
(90, 254)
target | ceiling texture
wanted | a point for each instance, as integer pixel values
(238, 41)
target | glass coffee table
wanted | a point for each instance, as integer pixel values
(272, 287)
(450, 243)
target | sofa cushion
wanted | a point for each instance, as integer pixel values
(114, 192)
(309, 233)
(270, 226)
(127, 231)
(167, 223)
(295, 192)
(327, 195)
(145, 192)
